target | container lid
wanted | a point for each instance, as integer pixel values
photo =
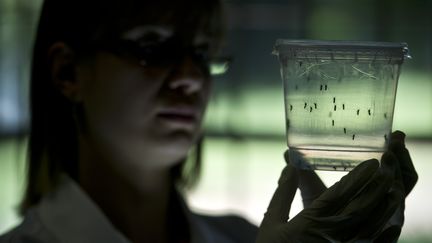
(341, 50)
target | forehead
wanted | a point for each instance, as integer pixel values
(137, 19)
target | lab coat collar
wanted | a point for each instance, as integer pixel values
(71, 216)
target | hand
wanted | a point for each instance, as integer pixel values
(312, 187)
(354, 208)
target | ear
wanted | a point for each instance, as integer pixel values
(63, 71)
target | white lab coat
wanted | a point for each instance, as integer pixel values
(68, 215)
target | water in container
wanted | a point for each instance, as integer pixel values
(339, 100)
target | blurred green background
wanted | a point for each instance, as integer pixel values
(245, 120)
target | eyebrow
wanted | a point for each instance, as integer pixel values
(152, 33)
(158, 33)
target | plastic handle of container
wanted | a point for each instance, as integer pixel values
(406, 53)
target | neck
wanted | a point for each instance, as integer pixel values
(135, 202)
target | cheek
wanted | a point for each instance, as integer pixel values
(118, 96)
(207, 91)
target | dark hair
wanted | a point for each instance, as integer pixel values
(53, 145)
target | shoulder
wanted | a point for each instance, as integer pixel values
(29, 231)
(234, 227)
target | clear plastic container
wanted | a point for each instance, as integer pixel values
(339, 100)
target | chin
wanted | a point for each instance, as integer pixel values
(174, 147)
(178, 148)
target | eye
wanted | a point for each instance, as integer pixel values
(133, 49)
(148, 51)
(201, 53)
(154, 53)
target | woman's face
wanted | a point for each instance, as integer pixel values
(144, 99)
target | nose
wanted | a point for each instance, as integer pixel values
(187, 76)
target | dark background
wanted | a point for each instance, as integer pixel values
(245, 119)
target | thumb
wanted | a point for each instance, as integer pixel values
(309, 183)
(336, 196)
(391, 234)
(280, 204)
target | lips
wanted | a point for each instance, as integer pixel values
(179, 114)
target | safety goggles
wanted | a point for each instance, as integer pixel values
(167, 54)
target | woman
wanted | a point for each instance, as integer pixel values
(118, 92)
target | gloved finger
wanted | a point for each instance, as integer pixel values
(383, 181)
(389, 235)
(360, 208)
(359, 224)
(387, 206)
(311, 236)
(378, 219)
(389, 159)
(337, 196)
(398, 188)
(311, 186)
(409, 174)
(370, 195)
(280, 204)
